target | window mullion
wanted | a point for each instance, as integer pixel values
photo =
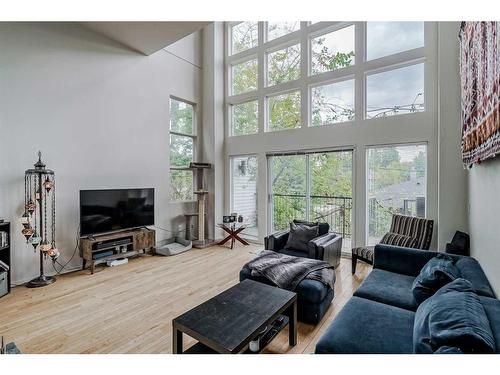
(304, 72)
(261, 79)
(308, 188)
(359, 80)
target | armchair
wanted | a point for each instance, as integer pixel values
(327, 246)
(406, 231)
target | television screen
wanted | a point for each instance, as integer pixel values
(104, 211)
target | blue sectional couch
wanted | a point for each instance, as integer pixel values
(379, 318)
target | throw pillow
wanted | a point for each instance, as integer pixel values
(453, 317)
(323, 228)
(396, 239)
(436, 273)
(300, 235)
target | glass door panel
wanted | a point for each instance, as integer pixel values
(314, 187)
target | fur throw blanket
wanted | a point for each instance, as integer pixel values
(287, 271)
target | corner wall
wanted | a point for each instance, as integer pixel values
(100, 114)
(452, 187)
(484, 211)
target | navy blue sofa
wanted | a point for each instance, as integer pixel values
(379, 317)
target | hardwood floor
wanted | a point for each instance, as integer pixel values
(129, 309)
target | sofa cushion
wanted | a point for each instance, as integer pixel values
(294, 253)
(365, 326)
(300, 235)
(454, 316)
(323, 228)
(398, 240)
(388, 287)
(364, 252)
(492, 309)
(438, 272)
(471, 270)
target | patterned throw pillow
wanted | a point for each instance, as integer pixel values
(398, 240)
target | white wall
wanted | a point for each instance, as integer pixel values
(452, 194)
(484, 211)
(98, 112)
(212, 132)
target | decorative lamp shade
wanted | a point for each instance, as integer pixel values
(45, 247)
(31, 207)
(48, 184)
(53, 253)
(28, 232)
(25, 220)
(35, 241)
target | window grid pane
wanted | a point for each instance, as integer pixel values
(244, 118)
(284, 111)
(283, 65)
(244, 76)
(181, 117)
(395, 92)
(387, 38)
(332, 51)
(332, 103)
(181, 185)
(278, 29)
(244, 36)
(181, 150)
(396, 185)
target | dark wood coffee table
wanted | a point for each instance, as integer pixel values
(227, 322)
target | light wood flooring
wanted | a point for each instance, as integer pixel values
(129, 309)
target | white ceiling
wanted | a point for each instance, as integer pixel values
(145, 37)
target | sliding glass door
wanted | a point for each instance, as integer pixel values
(314, 186)
(244, 175)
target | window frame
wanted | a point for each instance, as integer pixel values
(194, 138)
(371, 147)
(303, 36)
(420, 127)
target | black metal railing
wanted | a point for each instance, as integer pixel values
(336, 211)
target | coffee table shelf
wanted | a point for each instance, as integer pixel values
(228, 322)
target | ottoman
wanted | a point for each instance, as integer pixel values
(313, 297)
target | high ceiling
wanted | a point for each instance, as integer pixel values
(145, 37)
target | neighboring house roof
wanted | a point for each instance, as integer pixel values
(410, 189)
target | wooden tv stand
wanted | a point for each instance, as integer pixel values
(101, 248)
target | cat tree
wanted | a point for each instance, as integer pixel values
(201, 197)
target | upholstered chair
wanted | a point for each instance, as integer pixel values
(406, 231)
(327, 246)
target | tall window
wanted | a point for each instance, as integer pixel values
(397, 184)
(315, 186)
(182, 149)
(244, 174)
(301, 74)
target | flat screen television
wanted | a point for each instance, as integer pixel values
(103, 211)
